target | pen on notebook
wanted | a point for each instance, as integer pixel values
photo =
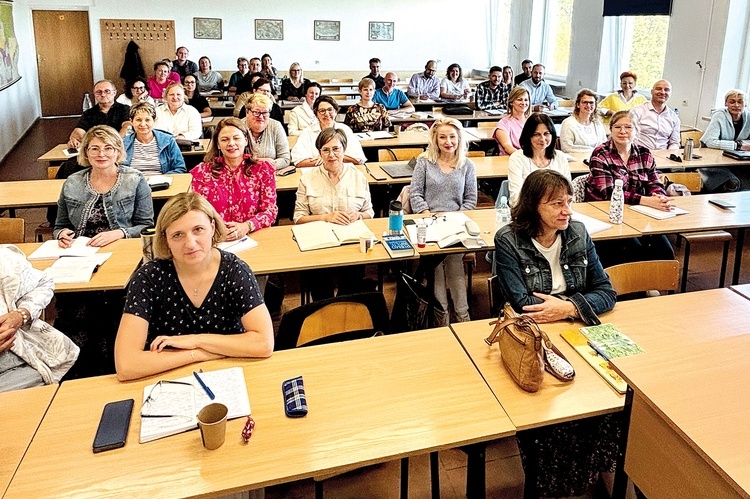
(598, 350)
(204, 386)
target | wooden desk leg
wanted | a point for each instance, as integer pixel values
(404, 493)
(738, 255)
(620, 486)
(475, 470)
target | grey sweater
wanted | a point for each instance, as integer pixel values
(273, 144)
(440, 192)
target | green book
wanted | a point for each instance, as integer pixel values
(610, 341)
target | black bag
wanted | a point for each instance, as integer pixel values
(415, 307)
(718, 180)
(457, 109)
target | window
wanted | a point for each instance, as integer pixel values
(556, 19)
(650, 36)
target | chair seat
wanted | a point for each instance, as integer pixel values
(711, 235)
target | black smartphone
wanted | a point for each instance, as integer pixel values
(113, 426)
(72, 150)
(726, 205)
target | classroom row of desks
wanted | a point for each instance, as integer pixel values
(277, 251)
(686, 431)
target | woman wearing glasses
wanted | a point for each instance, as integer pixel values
(333, 192)
(241, 189)
(293, 86)
(269, 142)
(537, 151)
(305, 153)
(194, 98)
(583, 131)
(621, 158)
(162, 78)
(192, 303)
(105, 202)
(135, 91)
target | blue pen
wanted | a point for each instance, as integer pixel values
(203, 385)
(598, 350)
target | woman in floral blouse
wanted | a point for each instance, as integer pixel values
(367, 116)
(242, 191)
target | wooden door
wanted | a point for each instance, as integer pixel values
(63, 56)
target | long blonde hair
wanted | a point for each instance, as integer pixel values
(433, 152)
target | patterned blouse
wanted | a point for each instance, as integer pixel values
(156, 295)
(367, 119)
(237, 197)
(639, 176)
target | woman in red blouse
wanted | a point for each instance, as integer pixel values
(242, 191)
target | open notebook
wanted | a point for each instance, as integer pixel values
(658, 214)
(320, 234)
(182, 402)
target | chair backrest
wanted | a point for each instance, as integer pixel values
(11, 230)
(474, 154)
(691, 180)
(52, 171)
(565, 103)
(334, 319)
(486, 124)
(399, 154)
(692, 134)
(636, 277)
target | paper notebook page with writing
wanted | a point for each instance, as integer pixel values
(349, 233)
(51, 249)
(228, 385)
(658, 214)
(79, 269)
(314, 235)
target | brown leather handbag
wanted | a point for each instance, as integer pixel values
(526, 351)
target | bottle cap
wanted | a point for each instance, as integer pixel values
(503, 200)
(395, 206)
(618, 182)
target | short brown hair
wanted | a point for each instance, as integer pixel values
(541, 184)
(585, 92)
(628, 74)
(106, 134)
(175, 208)
(214, 152)
(143, 107)
(329, 134)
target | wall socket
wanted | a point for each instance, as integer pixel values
(685, 103)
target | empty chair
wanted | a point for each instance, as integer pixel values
(399, 154)
(11, 230)
(638, 277)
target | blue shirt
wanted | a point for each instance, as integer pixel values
(539, 93)
(394, 100)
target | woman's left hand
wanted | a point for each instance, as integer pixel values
(104, 238)
(186, 342)
(550, 310)
(237, 230)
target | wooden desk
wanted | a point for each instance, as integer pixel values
(556, 401)
(710, 157)
(370, 401)
(405, 139)
(434, 115)
(742, 289)
(33, 193)
(55, 155)
(114, 274)
(22, 412)
(687, 436)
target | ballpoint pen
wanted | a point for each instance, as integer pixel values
(204, 386)
(598, 351)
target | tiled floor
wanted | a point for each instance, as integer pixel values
(504, 472)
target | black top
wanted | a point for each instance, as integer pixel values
(156, 295)
(115, 117)
(186, 69)
(520, 77)
(289, 90)
(379, 81)
(197, 101)
(97, 221)
(738, 126)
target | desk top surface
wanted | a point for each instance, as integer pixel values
(29, 193)
(742, 289)
(56, 155)
(113, 274)
(21, 412)
(694, 372)
(701, 214)
(369, 401)
(709, 157)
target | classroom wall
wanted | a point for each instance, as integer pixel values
(20, 103)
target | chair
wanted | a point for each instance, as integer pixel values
(475, 154)
(341, 318)
(486, 124)
(11, 230)
(565, 103)
(693, 181)
(692, 134)
(637, 277)
(399, 154)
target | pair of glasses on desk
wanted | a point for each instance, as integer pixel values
(152, 397)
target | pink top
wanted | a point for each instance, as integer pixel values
(513, 127)
(156, 90)
(237, 197)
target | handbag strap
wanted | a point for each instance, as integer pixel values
(522, 322)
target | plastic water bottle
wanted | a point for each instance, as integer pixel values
(86, 103)
(617, 203)
(502, 214)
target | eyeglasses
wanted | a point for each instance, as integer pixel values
(588, 103)
(627, 128)
(327, 110)
(537, 135)
(260, 114)
(331, 150)
(104, 92)
(189, 82)
(164, 392)
(96, 150)
(138, 89)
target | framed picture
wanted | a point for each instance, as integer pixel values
(327, 30)
(269, 29)
(380, 31)
(207, 27)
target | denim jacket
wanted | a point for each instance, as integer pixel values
(170, 157)
(128, 204)
(522, 270)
